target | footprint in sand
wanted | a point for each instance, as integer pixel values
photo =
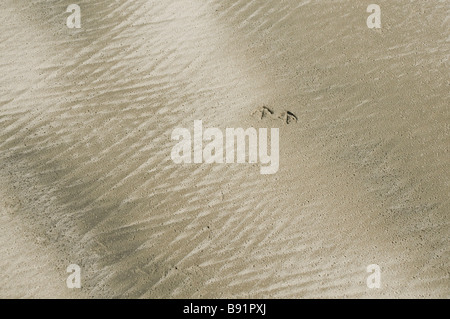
(288, 117)
(265, 112)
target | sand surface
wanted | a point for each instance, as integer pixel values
(86, 177)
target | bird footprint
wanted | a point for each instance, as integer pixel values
(265, 112)
(288, 117)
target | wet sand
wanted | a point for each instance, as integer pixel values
(86, 175)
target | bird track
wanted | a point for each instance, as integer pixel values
(265, 112)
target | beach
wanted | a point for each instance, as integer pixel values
(86, 175)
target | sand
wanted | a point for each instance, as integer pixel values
(85, 170)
